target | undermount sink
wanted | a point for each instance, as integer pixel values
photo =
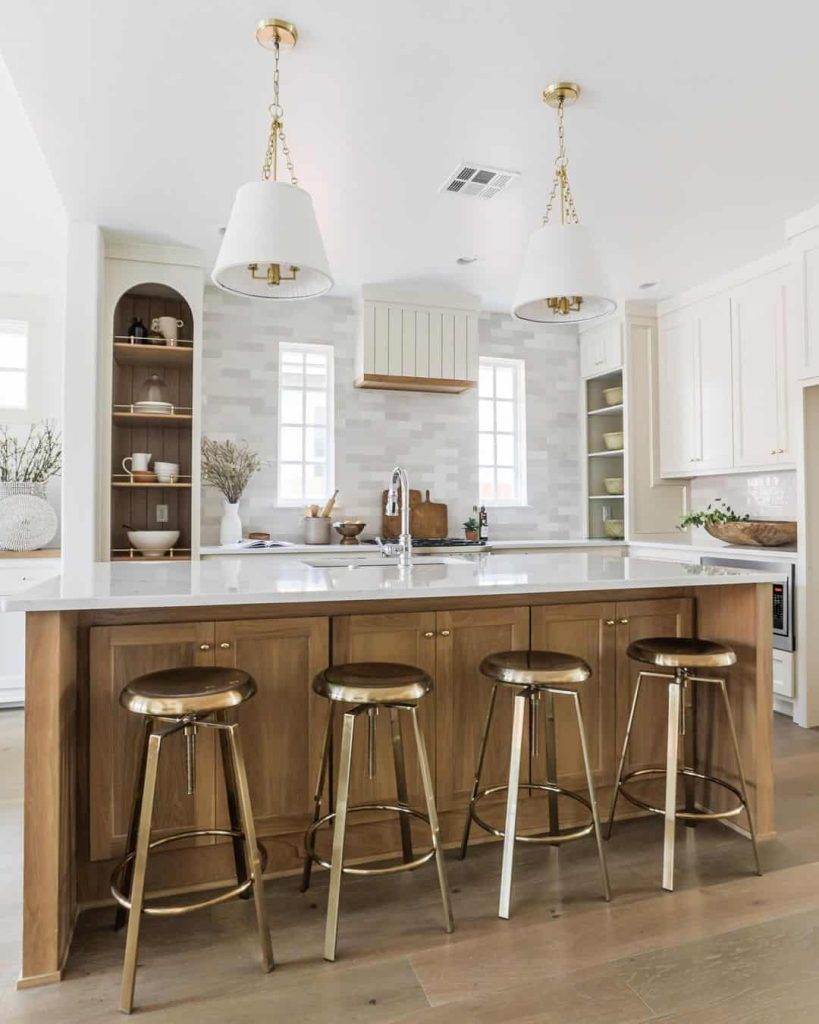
(377, 562)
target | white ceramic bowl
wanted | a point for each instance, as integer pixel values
(613, 396)
(153, 543)
(613, 484)
(613, 440)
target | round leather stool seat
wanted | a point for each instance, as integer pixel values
(681, 652)
(373, 682)
(179, 692)
(535, 668)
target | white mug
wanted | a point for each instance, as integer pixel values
(166, 472)
(139, 462)
(168, 327)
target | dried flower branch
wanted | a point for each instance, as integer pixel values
(228, 466)
(36, 459)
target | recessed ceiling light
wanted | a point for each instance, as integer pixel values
(649, 284)
(466, 260)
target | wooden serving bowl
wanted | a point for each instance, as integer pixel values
(757, 533)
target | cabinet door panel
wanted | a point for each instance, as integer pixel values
(758, 326)
(401, 638)
(677, 397)
(463, 696)
(586, 630)
(281, 726)
(715, 448)
(662, 617)
(117, 655)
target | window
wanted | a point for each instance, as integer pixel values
(306, 465)
(13, 364)
(502, 431)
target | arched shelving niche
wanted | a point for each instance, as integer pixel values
(164, 431)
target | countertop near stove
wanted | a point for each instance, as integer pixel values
(364, 548)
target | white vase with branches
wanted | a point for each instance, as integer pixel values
(229, 466)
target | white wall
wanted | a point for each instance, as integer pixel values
(435, 437)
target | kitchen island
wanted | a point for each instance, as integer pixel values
(283, 619)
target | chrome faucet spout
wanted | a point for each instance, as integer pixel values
(398, 500)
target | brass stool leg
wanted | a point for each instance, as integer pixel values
(476, 784)
(521, 701)
(672, 754)
(401, 783)
(324, 765)
(337, 862)
(432, 813)
(137, 895)
(604, 871)
(551, 761)
(623, 753)
(251, 847)
(136, 807)
(233, 804)
(689, 733)
(742, 784)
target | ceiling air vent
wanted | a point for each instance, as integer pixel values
(478, 182)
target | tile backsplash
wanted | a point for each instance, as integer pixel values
(435, 437)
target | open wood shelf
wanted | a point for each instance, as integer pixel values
(135, 555)
(152, 419)
(156, 484)
(598, 455)
(606, 410)
(606, 497)
(129, 353)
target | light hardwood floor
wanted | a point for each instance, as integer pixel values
(725, 947)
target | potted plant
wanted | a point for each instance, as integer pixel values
(229, 466)
(471, 527)
(716, 512)
(722, 522)
(27, 521)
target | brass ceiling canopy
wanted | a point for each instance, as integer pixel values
(271, 29)
(558, 93)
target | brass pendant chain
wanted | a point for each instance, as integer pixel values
(568, 212)
(271, 157)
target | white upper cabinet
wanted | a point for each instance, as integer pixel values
(695, 389)
(601, 349)
(411, 343)
(761, 313)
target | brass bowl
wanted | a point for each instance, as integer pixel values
(349, 531)
(758, 533)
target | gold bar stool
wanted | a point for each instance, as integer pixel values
(372, 686)
(186, 700)
(538, 676)
(686, 657)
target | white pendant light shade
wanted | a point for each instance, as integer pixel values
(273, 225)
(560, 263)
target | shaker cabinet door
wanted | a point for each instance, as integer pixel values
(678, 400)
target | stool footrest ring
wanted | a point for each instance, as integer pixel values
(186, 908)
(556, 838)
(310, 841)
(732, 812)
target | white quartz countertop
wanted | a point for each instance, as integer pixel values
(753, 554)
(289, 580)
(290, 548)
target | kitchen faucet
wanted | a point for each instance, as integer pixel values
(403, 548)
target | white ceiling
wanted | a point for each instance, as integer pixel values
(694, 139)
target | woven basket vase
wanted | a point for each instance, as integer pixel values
(27, 521)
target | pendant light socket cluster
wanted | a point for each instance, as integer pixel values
(561, 281)
(272, 247)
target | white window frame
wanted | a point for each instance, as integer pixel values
(519, 402)
(329, 390)
(24, 327)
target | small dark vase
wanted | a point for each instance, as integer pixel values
(138, 332)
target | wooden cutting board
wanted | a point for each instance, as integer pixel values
(428, 519)
(391, 525)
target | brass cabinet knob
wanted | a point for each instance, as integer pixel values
(429, 634)
(609, 622)
(204, 647)
(444, 632)
(624, 622)
(225, 645)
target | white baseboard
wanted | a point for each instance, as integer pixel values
(12, 691)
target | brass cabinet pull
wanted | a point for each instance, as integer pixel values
(204, 647)
(609, 622)
(225, 645)
(624, 622)
(429, 634)
(444, 632)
